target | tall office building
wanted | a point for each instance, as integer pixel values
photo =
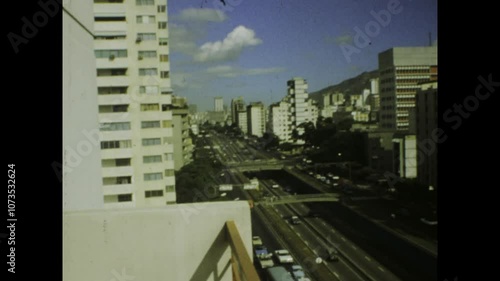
(256, 119)
(218, 104)
(401, 70)
(427, 126)
(134, 97)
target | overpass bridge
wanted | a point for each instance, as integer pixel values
(301, 198)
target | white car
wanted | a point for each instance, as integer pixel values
(283, 256)
(256, 241)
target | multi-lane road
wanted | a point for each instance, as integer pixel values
(316, 233)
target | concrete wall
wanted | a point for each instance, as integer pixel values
(82, 182)
(176, 242)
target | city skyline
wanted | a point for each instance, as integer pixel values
(244, 48)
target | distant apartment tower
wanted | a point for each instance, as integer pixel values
(242, 121)
(302, 109)
(401, 70)
(183, 145)
(237, 104)
(279, 121)
(218, 104)
(81, 167)
(427, 133)
(256, 119)
(134, 96)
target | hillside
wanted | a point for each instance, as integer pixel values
(348, 87)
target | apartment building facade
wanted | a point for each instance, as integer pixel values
(134, 97)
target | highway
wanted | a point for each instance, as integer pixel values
(354, 263)
(321, 236)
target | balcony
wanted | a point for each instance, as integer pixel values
(110, 28)
(114, 63)
(113, 81)
(109, 10)
(116, 152)
(117, 171)
(117, 189)
(203, 241)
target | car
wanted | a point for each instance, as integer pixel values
(283, 256)
(295, 220)
(297, 272)
(256, 241)
(275, 185)
(265, 260)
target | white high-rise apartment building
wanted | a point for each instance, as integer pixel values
(302, 110)
(218, 104)
(134, 97)
(279, 121)
(256, 119)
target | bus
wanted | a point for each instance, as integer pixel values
(278, 273)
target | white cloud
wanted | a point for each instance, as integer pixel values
(183, 40)
(228, 49)
(230, 71)
(201, 15)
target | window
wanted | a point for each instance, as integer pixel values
(169, 173)
(119, 126)
(147, 71)
(110, 37)
(144, 2)
(169, 188)
(150, 124)
(122, 162)
(153, 176)
(169, 156)
(125, 197)
(147, 54)
(151, 159)
(166, 91)
(109, 18)
(146, 19)
(113, 108)
(111, 90)
(110, 53)
(165, 74)
(163, 41)
(111, 72)
(108, 1)
(154, 193)
(150, 142)
(150, 107)
(167, 124)
(163, 58)
(162, 25)
(148, 90)
(116, 144)
(146, 36)
(162, 8)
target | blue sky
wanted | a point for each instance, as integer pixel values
(250, 48)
